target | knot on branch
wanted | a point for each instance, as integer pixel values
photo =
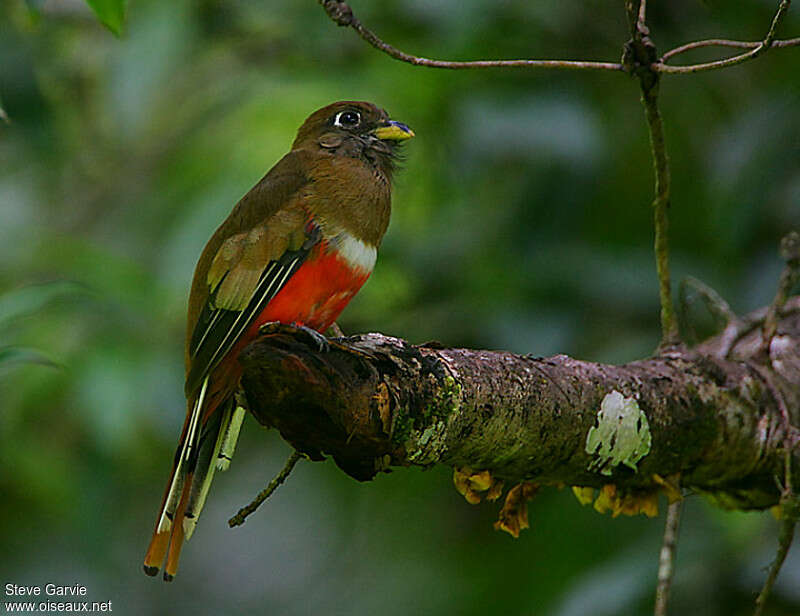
(340, 12)
(639, 54)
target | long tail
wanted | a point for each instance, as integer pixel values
(202, 448)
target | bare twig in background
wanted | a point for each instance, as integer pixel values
(238, 519)
(790, 512)
(638, 58)
(790, 502)
(757, 50)
(724, 43)
(784, 543)
(790, 251)
(342, 14)
(715, 304)
(666, 559)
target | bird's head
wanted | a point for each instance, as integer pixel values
(356, 129)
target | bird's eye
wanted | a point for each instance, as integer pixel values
(347, 119)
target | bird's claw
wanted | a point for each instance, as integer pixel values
(321, 341)
(323, 345)
(270, 327)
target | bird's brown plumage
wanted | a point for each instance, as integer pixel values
(333, 188)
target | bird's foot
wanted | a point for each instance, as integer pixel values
(270, 327)
(323, 344)
(318, 339)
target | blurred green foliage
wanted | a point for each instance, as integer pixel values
(111, 13)
(522, 221)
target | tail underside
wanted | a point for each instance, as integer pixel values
(206, 444)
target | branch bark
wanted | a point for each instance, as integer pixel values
(725, 43)
(373, 402)
(342, 15)
(639, 57)
(768, 43)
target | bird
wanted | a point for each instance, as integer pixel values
(295, 249)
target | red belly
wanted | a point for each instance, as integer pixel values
(315, 295)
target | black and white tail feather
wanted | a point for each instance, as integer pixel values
(208, 446)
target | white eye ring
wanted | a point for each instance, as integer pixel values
(347, 119)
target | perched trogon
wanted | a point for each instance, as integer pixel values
(295, 249)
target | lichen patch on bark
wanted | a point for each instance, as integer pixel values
(621, 436)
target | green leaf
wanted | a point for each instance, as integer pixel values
(11, 355)
(27, 300)
(110, 12)
(35, 6)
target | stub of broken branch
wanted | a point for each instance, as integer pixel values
(372, 402)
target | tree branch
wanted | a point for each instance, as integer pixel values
(273, 485)
(342, 15)
(373, 402)
(757, 50)
(721, 416)
(725, 43)
(666, 559)
(785, 538)
(638, 57)
(790, 251)
(638, 54)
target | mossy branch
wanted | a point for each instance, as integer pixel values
(374, 402)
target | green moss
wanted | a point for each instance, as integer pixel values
(446, 401)
(436, 413)
(402, 426)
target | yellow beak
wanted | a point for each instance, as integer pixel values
(394, 131)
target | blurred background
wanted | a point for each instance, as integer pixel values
(521, 221)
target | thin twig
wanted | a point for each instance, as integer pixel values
(789, 503)
(669, 326)
(637, 53)
(266, 492)
(790, 511)
(715, 304)
(641, 19)
(725, 43)
(760, 48)
(666, 559)
(342, 15)
(784, 543)
(638, 57)
(773, 27)
(790, 251)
